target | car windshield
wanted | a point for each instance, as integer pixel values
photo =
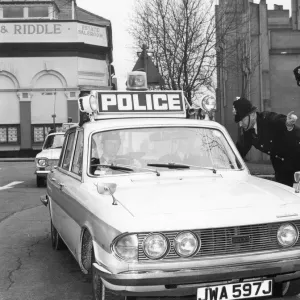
(54, 141)
(160, 148)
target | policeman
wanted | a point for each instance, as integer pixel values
(272, 133)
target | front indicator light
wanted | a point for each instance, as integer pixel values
(126, 247)
(155, 246)
(186, 244)
(287, 235)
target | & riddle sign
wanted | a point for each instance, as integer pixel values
(31, 29)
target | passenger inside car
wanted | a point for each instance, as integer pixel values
(182, 150)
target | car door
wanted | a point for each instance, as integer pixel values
(70, 189)
(57, 180)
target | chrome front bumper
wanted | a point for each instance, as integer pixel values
(182, 282)
(41, 173)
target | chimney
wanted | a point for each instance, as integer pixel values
(278, 7)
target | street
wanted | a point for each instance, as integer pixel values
(30, 269)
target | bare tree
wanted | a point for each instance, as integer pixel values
(184, 37)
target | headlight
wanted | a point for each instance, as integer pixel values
(127, 247)
(209, 103)
(42, 162)
(155, 246)
(287, 235)
(186, 244)
(94, 103)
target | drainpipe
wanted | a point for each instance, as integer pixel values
(73, 9)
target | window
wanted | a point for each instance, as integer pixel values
(9, 134)
(38, 12)
(68, 151)
(40, 132)
(54, 141)
(78, 155)
(13, 12)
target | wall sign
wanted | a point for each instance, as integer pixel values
(56, 32)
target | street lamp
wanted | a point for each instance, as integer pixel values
(54, 115)
(54, 103)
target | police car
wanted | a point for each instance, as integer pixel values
(153, 204)
(48, 157)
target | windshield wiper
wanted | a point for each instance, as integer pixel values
(113, 167)
(181, 166)
(170, 166)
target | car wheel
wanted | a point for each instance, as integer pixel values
(39, 181)
(56, 240)
(99, 290)
(292, 288)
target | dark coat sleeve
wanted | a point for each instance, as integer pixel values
(244, 143)
(277, 121)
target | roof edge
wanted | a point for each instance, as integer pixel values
(88, 12)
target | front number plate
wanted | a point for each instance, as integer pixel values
(240, 290)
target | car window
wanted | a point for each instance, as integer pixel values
(137, 147)
(78, 155)
(68, 151)
(54, 141)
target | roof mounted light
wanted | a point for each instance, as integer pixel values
(136, 81)
(89, 104)
(209, 103)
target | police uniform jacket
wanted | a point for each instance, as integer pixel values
(274, 139)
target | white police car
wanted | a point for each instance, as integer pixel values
(48, 157)
(153, 204)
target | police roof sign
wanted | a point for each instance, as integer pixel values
(146, 103)
(140, 101)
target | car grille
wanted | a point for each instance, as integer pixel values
(51, 164)
(218, 241)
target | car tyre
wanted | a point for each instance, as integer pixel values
(56, 240)
(293, 288)
(287, 289)
(39, 181)
(99, 288)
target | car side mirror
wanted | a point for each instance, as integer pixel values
(297, 180)
(107, 189)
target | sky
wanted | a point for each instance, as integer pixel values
(124, 49)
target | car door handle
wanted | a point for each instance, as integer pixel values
(61, 185)
(53, 179)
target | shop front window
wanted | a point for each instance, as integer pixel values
(9, 134)
(13, 12)
(40, 132)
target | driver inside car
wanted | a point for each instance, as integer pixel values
(111, 143)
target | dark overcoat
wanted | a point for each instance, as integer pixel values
(274, 139)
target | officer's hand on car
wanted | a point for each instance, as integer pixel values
(291, 120)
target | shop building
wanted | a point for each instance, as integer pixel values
(49, 52)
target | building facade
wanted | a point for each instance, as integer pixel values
(50, 50)
(263, 66)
